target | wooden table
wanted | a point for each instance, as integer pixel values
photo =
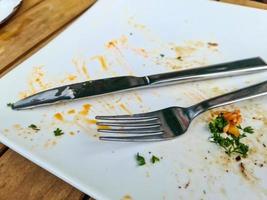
(35, 24)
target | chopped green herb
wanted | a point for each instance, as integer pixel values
(248, 129)
(162, 55)
(34, 127)
(230, 143)
(217, 125)
(10, 105)
(58, 132)
(140, 160)
(154, 159)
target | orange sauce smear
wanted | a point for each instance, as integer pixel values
(85, 71)
(123, 107)
(102, 61)
(72, 111)
(72, 77)
(93, 122)
(85, 110)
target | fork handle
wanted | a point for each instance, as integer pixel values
(253, 91)
(238, 67)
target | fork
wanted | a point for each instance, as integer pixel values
(170, 122)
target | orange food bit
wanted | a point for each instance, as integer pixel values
(234, 119)
(58, 116)
(85, 110)
(233, 130)
(112, 44)
(91, 121)
(72, 111)
(72, 77)
(103, 127)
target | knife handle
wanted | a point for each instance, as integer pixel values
(239, 67)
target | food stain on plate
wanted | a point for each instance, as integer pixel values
(102, 61)
(125, 109)
(85, 109)
(50, 143)
(127, 197)
(58, 116)
(81, 68)
(71, 111)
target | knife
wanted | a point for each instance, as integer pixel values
(109, 85)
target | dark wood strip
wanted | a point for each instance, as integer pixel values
(22, 179)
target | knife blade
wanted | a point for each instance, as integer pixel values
(98, 87)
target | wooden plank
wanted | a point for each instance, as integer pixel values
(22, 179)
(35, 25)
(27, 4)
(3, 148)
(249, 3)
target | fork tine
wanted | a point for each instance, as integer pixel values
(138, 117)
(129, 124)
(143, 138)
(132, 131)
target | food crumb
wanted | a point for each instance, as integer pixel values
(85, 110)
(179, 58)
(72, 111)
(213, 44)
(187, 184)
(242, 169)
(127, 197)
(264, 145)
(72, 77)
(238, 158)
(71, 133)
(58, 116)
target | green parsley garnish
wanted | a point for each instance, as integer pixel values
(248, 129)
(154, 159)
(140, 159)
(230, 143)
(58, 132)
(34, 127)
(217, 125)
(10, 105)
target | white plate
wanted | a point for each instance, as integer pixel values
(131, 35)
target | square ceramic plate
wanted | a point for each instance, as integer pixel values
(123, 37)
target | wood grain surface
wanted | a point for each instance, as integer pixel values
(34, 25)
(3, 149)
(249, 3)
(38, 21)
(21, 179)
